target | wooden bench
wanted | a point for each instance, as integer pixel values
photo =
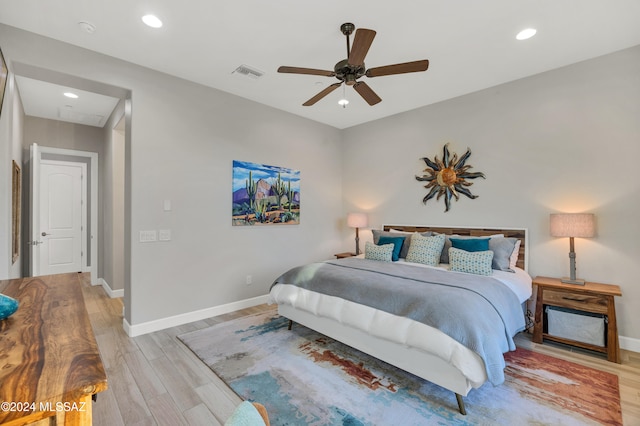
(50, 366)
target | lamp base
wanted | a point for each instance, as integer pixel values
(577, 281)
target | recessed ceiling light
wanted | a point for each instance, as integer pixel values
(152, 21)
(526, 33)
(71, 95)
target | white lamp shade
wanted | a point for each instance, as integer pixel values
(357, 220)
(582, 225)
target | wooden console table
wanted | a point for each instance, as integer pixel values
(50, 366)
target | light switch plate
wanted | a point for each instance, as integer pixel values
(148, 236)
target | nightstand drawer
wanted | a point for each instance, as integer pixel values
(581, 301)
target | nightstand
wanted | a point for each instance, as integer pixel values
(592, 297)
(343, 255)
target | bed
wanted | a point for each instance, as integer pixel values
(399, 334)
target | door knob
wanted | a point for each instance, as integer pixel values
(44, 234)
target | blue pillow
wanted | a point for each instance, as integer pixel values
(470, 244)
(397, 245)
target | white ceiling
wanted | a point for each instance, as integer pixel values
(46, 100)
(471, 44)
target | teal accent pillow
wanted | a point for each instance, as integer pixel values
(376, 252)
(476, 262)
(470, 244)
(8, 305)
(397, 245)
(447, 243)
(425, 250)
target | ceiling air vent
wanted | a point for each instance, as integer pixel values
(67, 114)
(248, 71)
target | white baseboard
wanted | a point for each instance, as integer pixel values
(161, 324)
(111, 293)
(629, 343)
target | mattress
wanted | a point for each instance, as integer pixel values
(397, 329)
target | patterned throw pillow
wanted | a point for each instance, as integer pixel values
(425, 249)
(374, 252)
(477, 262)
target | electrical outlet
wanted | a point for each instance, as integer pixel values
(164, 235)
(249, 280)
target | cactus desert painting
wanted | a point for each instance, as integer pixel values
(265, 195)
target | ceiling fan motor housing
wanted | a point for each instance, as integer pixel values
(348, 73)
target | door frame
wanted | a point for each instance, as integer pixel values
(85, 157)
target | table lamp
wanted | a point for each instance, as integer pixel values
(357, 220)
(581, 225)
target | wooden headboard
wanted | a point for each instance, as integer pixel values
(520, 234)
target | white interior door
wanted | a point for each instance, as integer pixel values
(89, 217)
(61, 217)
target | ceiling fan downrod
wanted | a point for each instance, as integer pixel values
(347, 29)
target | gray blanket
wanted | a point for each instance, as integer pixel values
(479, 312)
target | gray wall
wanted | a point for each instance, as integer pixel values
(11, 119)
(113, 213)
(59, 134)
(562, 141)
(180, 144)
(567, 140)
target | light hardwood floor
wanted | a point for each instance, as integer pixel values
(155, 380)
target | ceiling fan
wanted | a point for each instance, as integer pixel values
(349, 70)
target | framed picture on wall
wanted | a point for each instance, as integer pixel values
(16, 211)
(265, 195)
(4, 73)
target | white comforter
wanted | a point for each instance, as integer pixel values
(399, 329)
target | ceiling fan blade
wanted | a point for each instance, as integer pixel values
(361, 44)
(311, 71)
(367, 93)
(322, 94)
(403, 68)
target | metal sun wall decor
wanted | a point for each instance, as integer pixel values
(446, 177)
(265, 195)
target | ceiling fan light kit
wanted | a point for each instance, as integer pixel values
(349, 70)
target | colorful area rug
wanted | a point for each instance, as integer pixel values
(305, 378)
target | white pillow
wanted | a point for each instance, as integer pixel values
(513, 260)
(397, 231)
